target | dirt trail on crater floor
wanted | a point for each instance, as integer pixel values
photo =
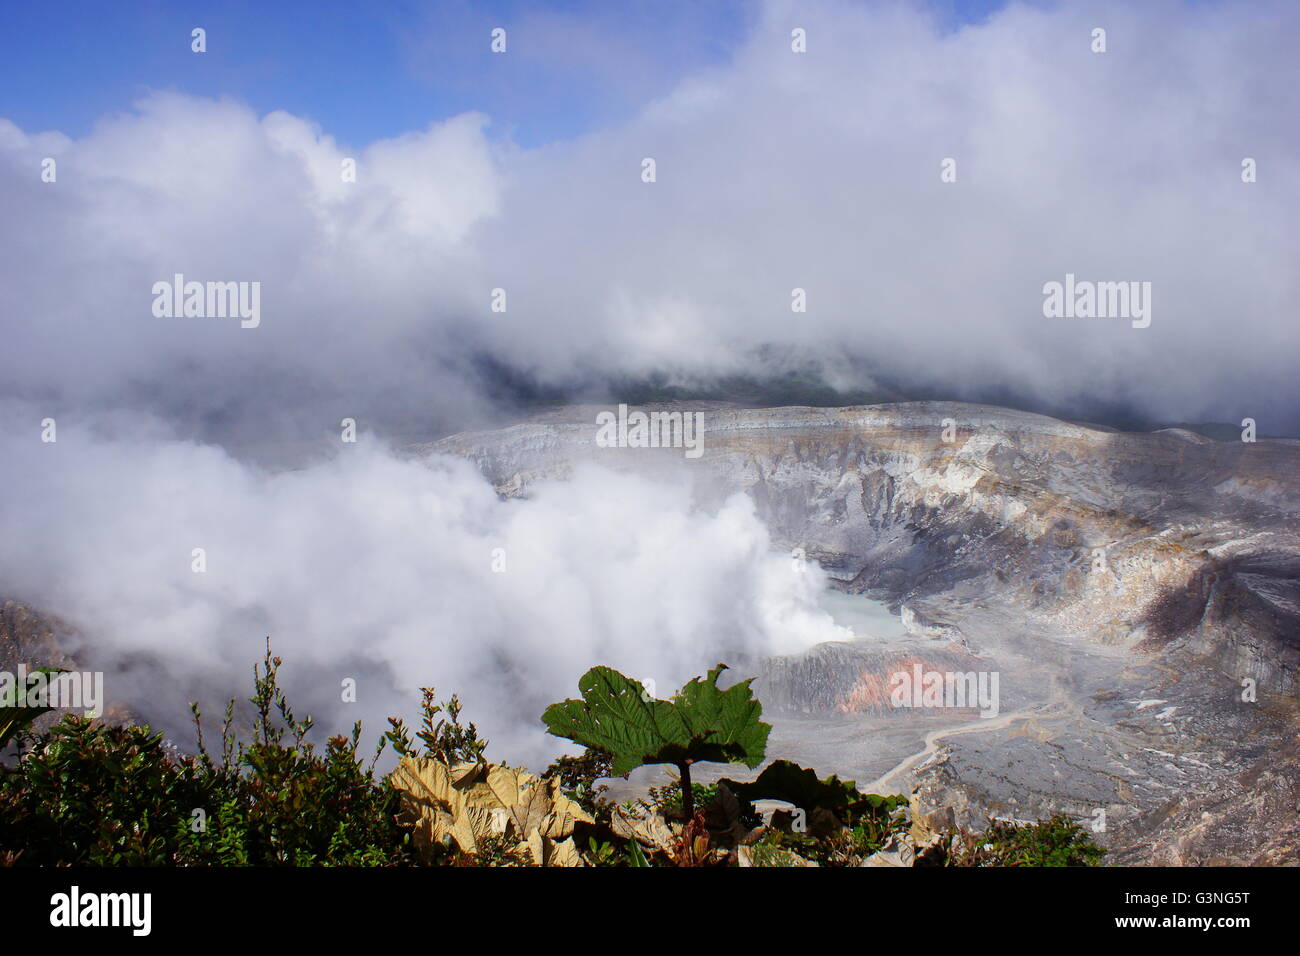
(1046, 708)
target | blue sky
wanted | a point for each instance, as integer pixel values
(366, 71)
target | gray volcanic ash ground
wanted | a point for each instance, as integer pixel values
(1129, 589)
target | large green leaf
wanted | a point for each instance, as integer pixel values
(701, 722)
(726, 720)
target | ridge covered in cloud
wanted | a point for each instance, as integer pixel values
(776, 170)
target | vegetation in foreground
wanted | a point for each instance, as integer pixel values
(87, 792)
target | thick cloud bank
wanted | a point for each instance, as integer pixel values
(396, 573)
(774, 171)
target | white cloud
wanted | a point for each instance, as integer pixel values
(776, 170)
(382, 569)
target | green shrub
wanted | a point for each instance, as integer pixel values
(1057, 841)
(447, 740)
(89, 793)
(104, 796)
(578, 776)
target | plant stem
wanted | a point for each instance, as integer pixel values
(688, 795)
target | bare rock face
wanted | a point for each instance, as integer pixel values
(34, 639)
(28, 637)
(1098, 571)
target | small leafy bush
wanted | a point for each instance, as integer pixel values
(668, 798)
(447, 739)
(1057, 841)
(578, 777)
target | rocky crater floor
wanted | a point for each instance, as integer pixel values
(1137, 594)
